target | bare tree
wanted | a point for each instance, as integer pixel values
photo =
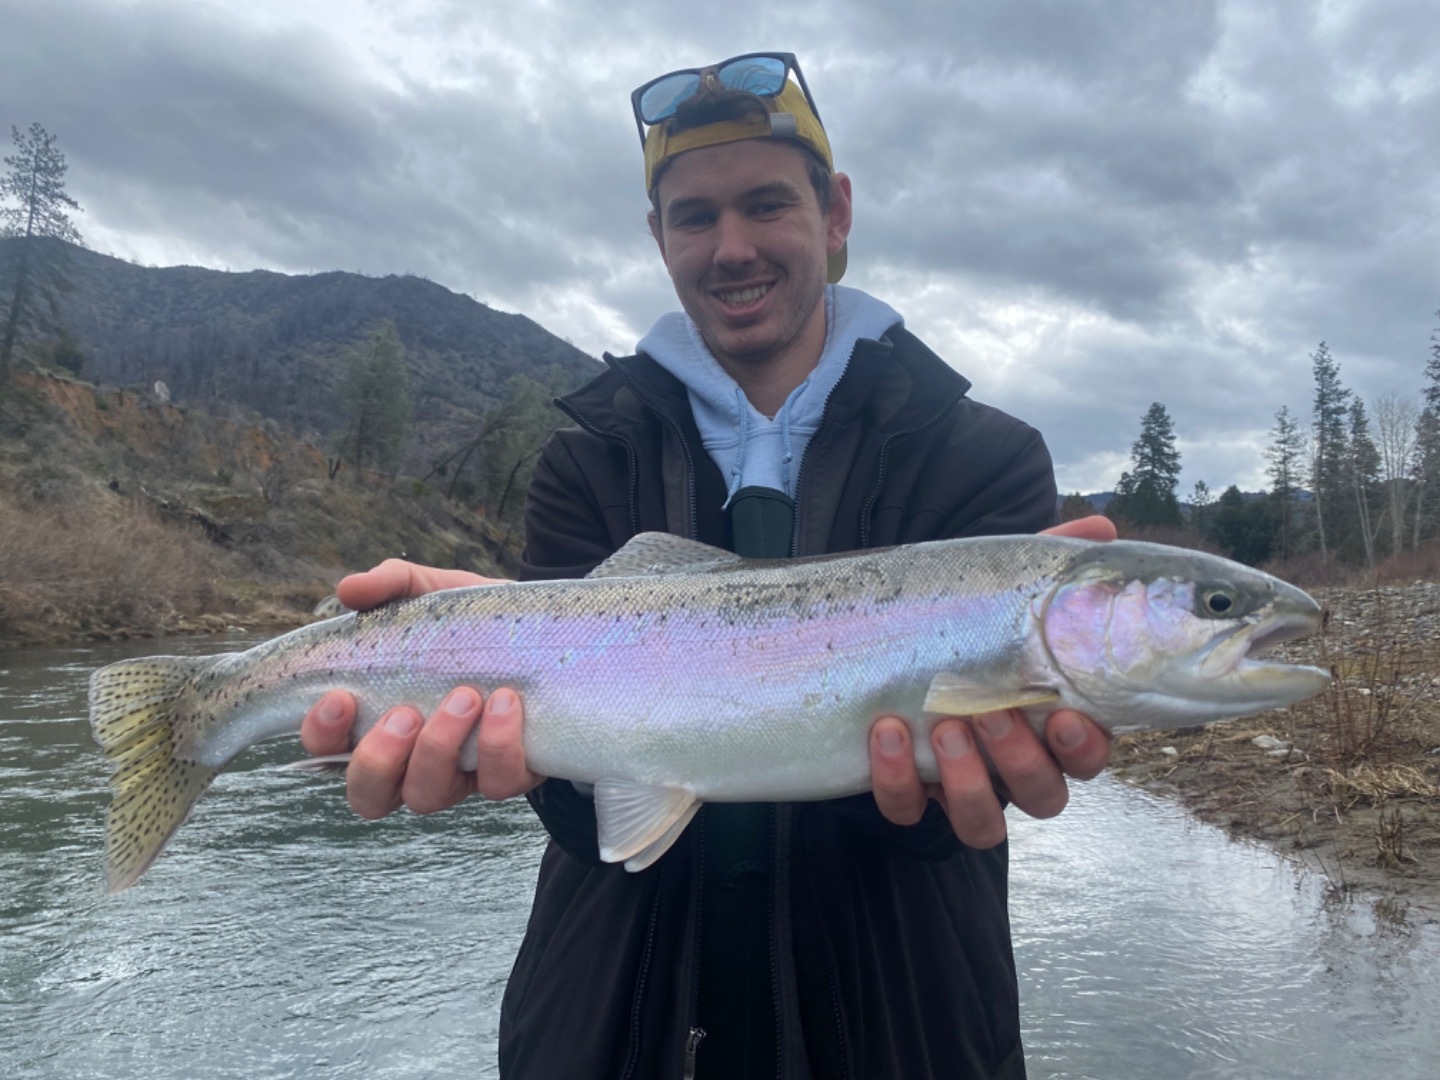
(1395, 419)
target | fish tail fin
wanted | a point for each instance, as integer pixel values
(134, 706)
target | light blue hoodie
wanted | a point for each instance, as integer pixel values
(751, 449)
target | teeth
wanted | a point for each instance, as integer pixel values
(744, 296)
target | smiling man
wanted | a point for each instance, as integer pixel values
(778, 414)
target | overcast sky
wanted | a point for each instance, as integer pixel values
(1084, 205)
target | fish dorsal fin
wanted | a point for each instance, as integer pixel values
(955, 695)
(640, 821)
(652, 553)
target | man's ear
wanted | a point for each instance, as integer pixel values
(658, 233)
(838, 217)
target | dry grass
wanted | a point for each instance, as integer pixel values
(1379, 784)
(1378, 711)
(97, 565)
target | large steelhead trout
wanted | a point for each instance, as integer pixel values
(677, 673)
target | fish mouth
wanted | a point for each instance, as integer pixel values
(1240, 655)
(1276, 631)
(1238, 659)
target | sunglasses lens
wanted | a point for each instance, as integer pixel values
(763, 76)
(662, 98)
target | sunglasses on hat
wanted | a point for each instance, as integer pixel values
(761, 74)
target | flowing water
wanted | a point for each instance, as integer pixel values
(279, 935)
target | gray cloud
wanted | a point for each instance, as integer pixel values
(1086, 205)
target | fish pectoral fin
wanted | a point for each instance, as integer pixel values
(955, 695)
(640, 821)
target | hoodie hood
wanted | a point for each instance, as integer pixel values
(752, 449)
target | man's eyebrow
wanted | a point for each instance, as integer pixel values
(688, 206)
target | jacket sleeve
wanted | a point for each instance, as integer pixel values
(1019, 497)
(565, 537)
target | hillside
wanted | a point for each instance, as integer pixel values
(217, 501)
(276, 344)
(121, 515)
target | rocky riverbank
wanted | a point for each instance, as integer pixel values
(1348, 783)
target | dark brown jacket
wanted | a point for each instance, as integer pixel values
(890, 946)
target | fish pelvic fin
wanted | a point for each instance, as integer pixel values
(954, 695)
(134, 706)
(639, 822)
(328, 765)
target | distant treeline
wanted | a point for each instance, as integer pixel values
(1352, 485)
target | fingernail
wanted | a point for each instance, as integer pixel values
(955, 741)
(330, 710)
(462, 701)
(889, 740)
(402, 722)
(502, 703)
(1069, 732)
(996, 724)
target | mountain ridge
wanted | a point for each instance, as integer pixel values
(278, 344)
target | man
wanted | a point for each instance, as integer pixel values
(779, 415)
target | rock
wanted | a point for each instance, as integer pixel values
(1169, 751)
(1271, 743)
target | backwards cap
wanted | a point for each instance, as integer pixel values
(788, 116)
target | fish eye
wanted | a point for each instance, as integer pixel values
(1218, 601)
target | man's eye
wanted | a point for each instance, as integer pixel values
(766, 209)
(694, 221)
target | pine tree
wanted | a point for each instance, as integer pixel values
(1146, 494)
(1202, 503)
(33, 269)
(1327, 465)
(1427, 439)
(1243, 530)
(1075, 506)
(377, 395)
(1286, 457)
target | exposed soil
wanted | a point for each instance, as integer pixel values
(1348, 783)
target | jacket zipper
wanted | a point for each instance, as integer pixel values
(697, 885)
(800, 473)
(692, 1044)
(774, 942)
(645, 955)
(679, 432)
(630, 458)
(841, 1048)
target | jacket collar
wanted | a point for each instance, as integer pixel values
(897, 384)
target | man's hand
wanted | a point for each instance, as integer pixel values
(1029, 772)
(405, 759)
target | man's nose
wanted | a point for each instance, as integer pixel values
(735, 243)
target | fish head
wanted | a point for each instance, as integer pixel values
(1146, 635)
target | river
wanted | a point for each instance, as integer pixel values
(279, 935)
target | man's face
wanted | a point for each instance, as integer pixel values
(743, 236)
